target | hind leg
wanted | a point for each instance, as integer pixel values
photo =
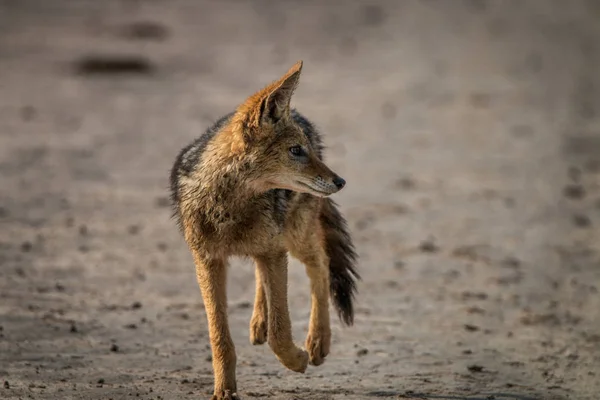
(259, 320)
(310, 250)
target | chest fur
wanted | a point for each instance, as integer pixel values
(243, 228)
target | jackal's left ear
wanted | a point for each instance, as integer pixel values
(276, 103)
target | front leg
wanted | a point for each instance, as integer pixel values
(272, 269)
(318, 340)
(310, 251)
(212, 278)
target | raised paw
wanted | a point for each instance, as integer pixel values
(258, 330)
(295, 360)
(317, 345)
(225, 395)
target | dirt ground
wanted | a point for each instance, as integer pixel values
(468, 133)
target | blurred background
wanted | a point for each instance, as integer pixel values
(468, 133)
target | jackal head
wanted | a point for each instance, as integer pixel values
(281, 154)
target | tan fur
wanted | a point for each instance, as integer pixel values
(248, 116)
(221, 206)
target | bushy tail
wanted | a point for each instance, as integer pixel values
(342, 260)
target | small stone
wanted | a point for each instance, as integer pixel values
(474, 295)
(362, 352)
(136, 305)
(475, 368)
(244, 305)
(162, 246)
(114, 348)
(428, 246)
(511, 262)
(581, 221)
(406, 183)
(26, 247)
(475, 310)
(574, 191)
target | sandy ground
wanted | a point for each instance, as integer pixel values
(468, 132)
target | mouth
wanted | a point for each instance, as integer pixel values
(313, 190)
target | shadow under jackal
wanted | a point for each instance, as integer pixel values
(254, 184)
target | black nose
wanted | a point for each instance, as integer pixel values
(339, 182)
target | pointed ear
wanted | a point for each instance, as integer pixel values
(269, 104)
(276, 104)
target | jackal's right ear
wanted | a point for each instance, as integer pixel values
(276, 104)
(271, 103)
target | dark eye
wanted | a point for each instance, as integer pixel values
(296, 150)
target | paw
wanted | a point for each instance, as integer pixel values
(317, 345)
(258, 330)
(296, 360)
(225, 395)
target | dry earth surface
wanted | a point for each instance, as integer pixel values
(468, 132)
